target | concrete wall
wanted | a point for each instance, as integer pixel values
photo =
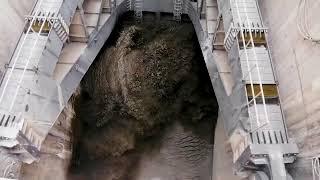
(55, 151)
(156, 5)
(12, 14)
(222, 155)
(297, 62)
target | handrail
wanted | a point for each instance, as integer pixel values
(138, 8)
(19, 51)
(249, 68)
(28, 60)
(20, 36)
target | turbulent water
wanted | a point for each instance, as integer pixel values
(146, 109)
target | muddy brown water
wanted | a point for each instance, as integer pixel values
(147, 109)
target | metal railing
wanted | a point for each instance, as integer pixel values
(129, 5)
(44, 19)
(34, 19)
(245, 27)
(40, 23)
(177, 9)
(138, 8)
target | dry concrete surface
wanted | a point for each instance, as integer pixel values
(12, 14)
(222, 156)
(297, 64)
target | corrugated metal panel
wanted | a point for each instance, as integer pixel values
(12, 87)
(274, 116)
(264, 64)
(28, 52)
(246, 6)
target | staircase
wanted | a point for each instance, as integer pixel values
(216, 33)
(177, 9)
(230, 38)
(138, 8)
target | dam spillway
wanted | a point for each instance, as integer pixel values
(60, 41)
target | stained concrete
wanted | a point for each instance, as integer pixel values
(12, 22)
(55, 151)
(12, 14)
(297, 64)
(222, 155)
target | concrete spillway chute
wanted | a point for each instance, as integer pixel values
(54, 53)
